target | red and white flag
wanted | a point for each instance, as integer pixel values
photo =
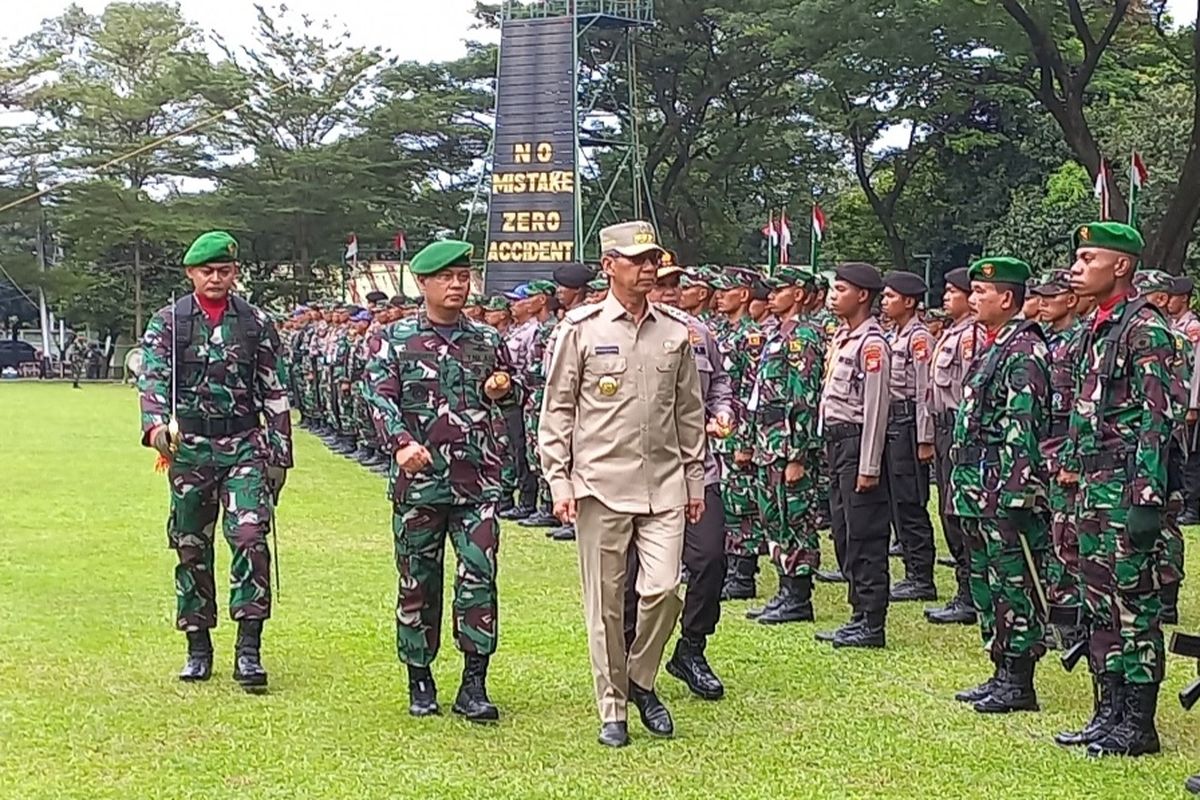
(1102, 190)
(352, 248)
(785, 237)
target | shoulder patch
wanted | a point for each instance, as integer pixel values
(577, 315)
(754, 339)
(920, 347)
(968, 346)
(872, 355)
(1193, 331)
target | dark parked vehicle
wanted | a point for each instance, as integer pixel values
(14, 353)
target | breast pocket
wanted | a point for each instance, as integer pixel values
(420, 394)
(943, 368)
(605, 378)
(665, 369)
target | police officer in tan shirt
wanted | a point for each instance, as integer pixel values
(622, 441)
(854, 419)
(952, 358)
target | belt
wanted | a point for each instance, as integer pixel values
(903, 408)
(1059, 428)
(1109, 460)
(974, 454)
(842, 430)
(944, 419)
(218, 426)
(772, 414)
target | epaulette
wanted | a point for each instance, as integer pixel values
(679, 315)
(578, 315)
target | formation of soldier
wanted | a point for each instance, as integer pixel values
(1056, 416)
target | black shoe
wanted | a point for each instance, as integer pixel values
(565, 533)
(739, 578)
(958, 611)
(539, 519)
(1134, 734)
(896, 551)
(472, 701)
(654, 714)
(913, 589)
(247, 664)
(198, 666)
(384, 469)
(794, 602)
(613, 734)
(869, 634)
(946, 561)
(1013, 691)
(689, 665)
(340, 448)
(1192, 784)
(519, 512)
(362, 455)
(422, 693)
(830, 576)
(1189, 517)
(977, 693)
(1105, 713)
(1170, 604)
(828, 636)
(776, 599)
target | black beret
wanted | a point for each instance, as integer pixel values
(573, 276)
(376, 297)
(760, 291)
(864, 276)
(905, 283)
(1182, 286)
(960, 279)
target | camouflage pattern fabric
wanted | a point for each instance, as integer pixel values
(78, 362)
(535, 390)
(1001, 585)
(1063, 583)
(783, 412)
(740, 345)
(420, 534)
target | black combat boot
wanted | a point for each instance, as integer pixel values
(977, 693)
(198, 666)
(1134, 734)
(830, 576)
(247, 664)
(506, 504)
(1014, 690)
(1105, 712)
(542, 518)
(795, 605)
(689, 665)
(959, 611)
(1190, 516)
(518, 511)
(870, 633)
(422, 693)
(739, 578)
(614, 734)
(920, 588)
(654, 714)
(1192, 784)
(776, 599)
(472, 701)
(1170, 604)
(856, 619)
(564, 533)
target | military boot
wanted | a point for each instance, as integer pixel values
(1192, 784)
(739, 578)
(1134, 734)
(1170, 604)
(422, 693)
(689, 665)
(564, 533)
(247, 664)
(855, 620)
(541, 518)
(919, 588)
(1105, 712)
(977, 693)
(776, 599)
(830, 576)
(795, 605)
(1014, 690)
(1190, 516)
(472, 701)
(959, 611)
(516, 512)
(870, 633)
(198, 666)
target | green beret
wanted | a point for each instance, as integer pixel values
(1001, 269)
(214, 247)
(496, 302)
(1109, 236)
(1149, 281)
(436, 256)
(540, 287)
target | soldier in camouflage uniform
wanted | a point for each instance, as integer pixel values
(78, 360)
(433, 382)
(497, 313)
(1185, 323)
(998, 483)
(533, 379)
(1117, 454)
(782, 417)
(232, 452)
(741, 344)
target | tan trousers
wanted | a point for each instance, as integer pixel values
(604, 537)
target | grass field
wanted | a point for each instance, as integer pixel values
(89, 706)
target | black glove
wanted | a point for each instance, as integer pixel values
(276, 478)
(1144, 526)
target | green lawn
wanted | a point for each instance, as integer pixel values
(89, 706)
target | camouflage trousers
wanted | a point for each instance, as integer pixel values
(420, 534)
(532, 410)
(788, 513)
(1002, 588)
(1171, 565)
(198, 492)
(1063, 583)
(363, 426)
(1121, 591)
(744, 534)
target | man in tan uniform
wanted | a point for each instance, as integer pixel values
(952, 359)
(622, 443)
(854, 420)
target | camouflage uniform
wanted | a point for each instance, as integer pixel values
(427, 389)
(998, 485)
(740, 347)
(79, 357)
(218, 381)
(1063, 570)
(535, 387)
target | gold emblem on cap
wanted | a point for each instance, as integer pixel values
(1085, 233)
(988, 270)
(608, 386)
(643, 238)
(231, 247)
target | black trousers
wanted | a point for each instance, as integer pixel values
(704, 560)
(909, 484)
(861, 527)
(943, 437)
(514, 419)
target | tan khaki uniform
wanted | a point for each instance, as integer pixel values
(856, 390)
(952, 359)
(622, 432)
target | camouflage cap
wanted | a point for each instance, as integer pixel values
(474, 299)
(497, 302)
(1148, 281)
(600, 283)
(1056, 282)
(540, 287)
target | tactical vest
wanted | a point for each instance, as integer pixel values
(191, 367)
(998, 354)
